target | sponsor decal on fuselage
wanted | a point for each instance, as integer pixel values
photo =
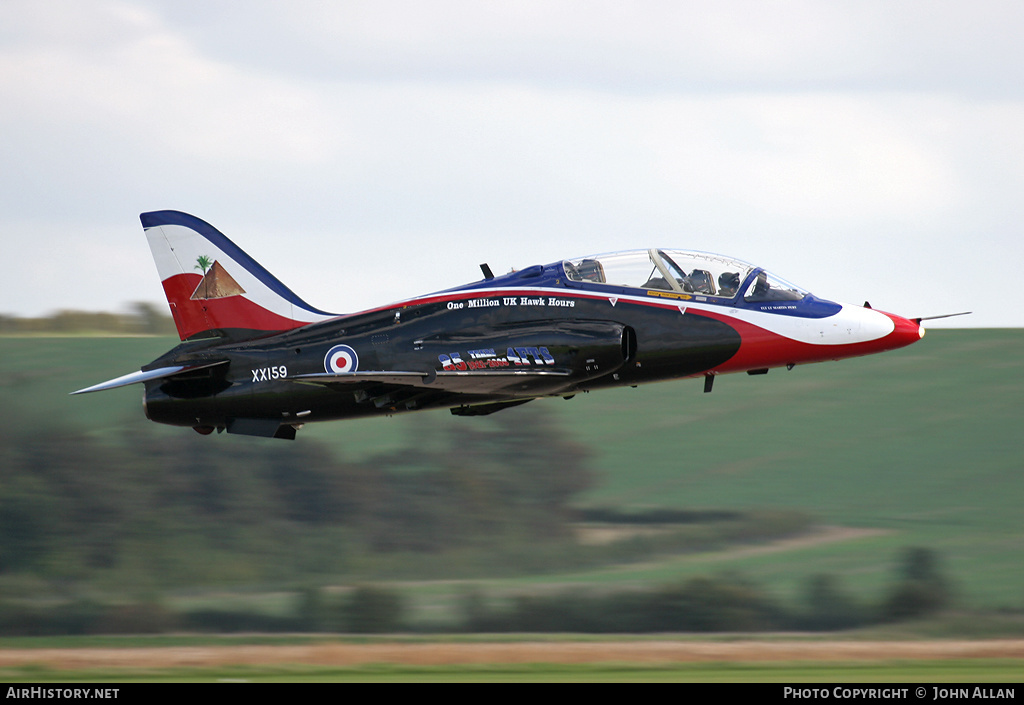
(509, 301)
(488, 358)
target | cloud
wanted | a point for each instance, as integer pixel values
(643, 46)
(439, 135)
(119, 72)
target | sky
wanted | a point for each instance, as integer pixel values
(367, 152)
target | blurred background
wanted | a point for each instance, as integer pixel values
(368, 152)
(874, 492)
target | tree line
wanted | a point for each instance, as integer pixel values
(719, 603)
(140, 319)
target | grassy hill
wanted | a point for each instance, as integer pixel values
(923, 445)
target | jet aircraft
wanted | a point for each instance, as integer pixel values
(256, 359)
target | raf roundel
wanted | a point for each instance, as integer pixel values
(341, 358)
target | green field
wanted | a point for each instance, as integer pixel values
(914, 672)
(531, 658)
(924, 445)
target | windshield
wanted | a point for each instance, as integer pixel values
(682, 271)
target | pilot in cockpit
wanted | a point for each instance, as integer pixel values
(590, 270)
(728, 283)
(699, 282)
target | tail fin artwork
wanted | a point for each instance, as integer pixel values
(213, 287)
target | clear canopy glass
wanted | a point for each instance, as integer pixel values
(768, 287)
(682, 271)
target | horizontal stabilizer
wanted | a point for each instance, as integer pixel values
(147, 375)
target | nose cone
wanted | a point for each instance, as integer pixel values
(905, 331)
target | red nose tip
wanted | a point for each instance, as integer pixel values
(906, 331)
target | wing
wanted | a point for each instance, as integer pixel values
(574, 352)
(504, 382)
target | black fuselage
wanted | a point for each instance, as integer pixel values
(477, 342)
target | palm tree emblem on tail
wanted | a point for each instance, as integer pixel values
(203, 262)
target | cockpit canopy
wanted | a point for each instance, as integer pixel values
(684, 272)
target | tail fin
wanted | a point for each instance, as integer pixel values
(213, 287)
